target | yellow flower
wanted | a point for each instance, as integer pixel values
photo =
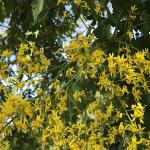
(97, 9)
(61, 1)
(22, 59)
(21, 125)
(104, 82)
(78, 95)
(7, 53)
(121, 128)
(129, 34)
(136, 93)
(124, 89)
(20, 85)
(43, 139)
(65, 14)
(73, 143)
(139, 57)
(130, 76)
(97, 58)
(23, 48)
(92, 72)
(28, 109)
(77, 2)
(133, 8)
(70, 72)
(37, 123)
(109, 109)
(110, 57)
(120, 61)
(86, 44)
(112, 68)
(40, 91)
(4, 67)
(133, 144)
(112, 134)
(5, 145)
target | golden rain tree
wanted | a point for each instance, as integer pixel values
(93, 98)
(75, 116)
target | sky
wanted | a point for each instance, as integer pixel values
(3, 27)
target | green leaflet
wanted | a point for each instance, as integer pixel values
(37, 7)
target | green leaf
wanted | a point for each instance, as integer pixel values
(37, 7)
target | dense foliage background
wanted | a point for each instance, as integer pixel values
(75, 74)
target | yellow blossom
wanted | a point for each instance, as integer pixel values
(70, 72)
(133, 144)
(124, 89)
(129, 34)
(136, 93)
(21, 125)
(104, 82)
(65, 14)
(6, 53)
(98, 8)
(121, 128)
(77, 2)
(37, 122)
(78, 95)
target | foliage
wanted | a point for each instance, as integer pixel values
(37, 7)
(75, 116)
(91, 94)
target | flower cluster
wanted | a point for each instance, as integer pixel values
(94, 101)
